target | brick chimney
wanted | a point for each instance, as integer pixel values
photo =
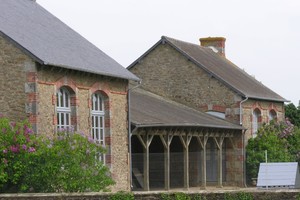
(217, 44)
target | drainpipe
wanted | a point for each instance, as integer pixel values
(244, 159)
(241, 110)
(243, 140)
(129, 131)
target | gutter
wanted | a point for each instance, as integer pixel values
(130, 132)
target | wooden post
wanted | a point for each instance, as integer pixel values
(203, 145)
(146, 141)
(220, 166)
(185, 143)
(167, 142)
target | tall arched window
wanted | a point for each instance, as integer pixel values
(256, 119)
(272, 115)
(98, 125)
(63, 109)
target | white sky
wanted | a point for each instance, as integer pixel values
(262, 36)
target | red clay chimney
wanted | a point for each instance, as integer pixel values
(216, 43)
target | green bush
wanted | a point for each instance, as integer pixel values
(280, 140)
(67, 162)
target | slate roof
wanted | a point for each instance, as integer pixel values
(220, 68)
(51, 42)
(150, 110)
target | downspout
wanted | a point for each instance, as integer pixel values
(243, 140)
(244, 158)
(129, 132)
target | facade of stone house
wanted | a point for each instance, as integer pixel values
(176, 147)
(56, 79)
(201, 77)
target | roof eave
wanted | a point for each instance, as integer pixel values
(139, 125)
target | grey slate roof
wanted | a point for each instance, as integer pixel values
(51, 42)
(150, 110)
(220, 68)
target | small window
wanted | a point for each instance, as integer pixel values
(63, 109)
(272, 115)
(98, 125)
(256, 119)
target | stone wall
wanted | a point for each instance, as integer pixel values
(208, 195)
(17, 85)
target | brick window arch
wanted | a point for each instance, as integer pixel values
(65, 108)
(256, 121)
(100, 125)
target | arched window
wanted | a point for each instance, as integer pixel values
(256, 119)
(272, 115)
(98, 123)
(63, 109)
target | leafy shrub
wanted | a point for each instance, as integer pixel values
(282, 142)
(68, 162)
(182, 196)
(17, 145)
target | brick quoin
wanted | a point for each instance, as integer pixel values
(74, 120)
(107, 123)
(108, 140)
(74, 101)
(32, 97)
(54, 99)
(54, 121)
(31, 77)
(108, 158)
(32, 119)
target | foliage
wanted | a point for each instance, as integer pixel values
(17, 145)
(122, 196)
(238, 196)
(293, 114)
(280, 140)
(182, 196)
(65, 163)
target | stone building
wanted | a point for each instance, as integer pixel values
(201, 77)
(55, 78)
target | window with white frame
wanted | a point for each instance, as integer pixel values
(255, 121)
(63, 109)
(97, 132)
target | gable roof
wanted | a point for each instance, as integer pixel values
(150, 110)
(51, 42)
(220, 68)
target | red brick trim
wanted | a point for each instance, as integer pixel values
(31, 77)
(108, 158)
(108, 140)
(107, 123)
(74, 101)
(100, 87)
(219, 108)
(33, 119)
(45, 83)
(54, 120)
(32, 97)
(121, 93)
(66, 81)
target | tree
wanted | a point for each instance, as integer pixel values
(281, 140)
(293, 113)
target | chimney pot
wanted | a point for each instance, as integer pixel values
(216, 43)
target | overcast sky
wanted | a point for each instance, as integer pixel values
(262, 36)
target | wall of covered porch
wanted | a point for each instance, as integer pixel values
(168, 158)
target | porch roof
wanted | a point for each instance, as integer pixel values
(150, 110)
